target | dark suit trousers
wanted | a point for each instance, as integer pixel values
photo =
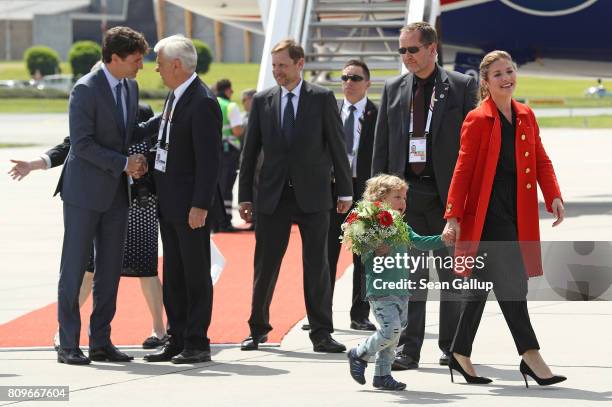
(505, 269)
(360, 309)
(187, 285)
(424, 213)
(272, 237)
(107, 230)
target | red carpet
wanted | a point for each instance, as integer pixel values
(232, 301)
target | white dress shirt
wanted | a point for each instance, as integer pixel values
(359, 112)
(295, 100)
(169, 110)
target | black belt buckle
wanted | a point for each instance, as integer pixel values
(290, 183)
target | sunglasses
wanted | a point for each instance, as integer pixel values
(354, 78)
(411, 50)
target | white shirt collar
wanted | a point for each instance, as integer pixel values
(359, 106)
(112, 81)
(295, 91)
(178, 92)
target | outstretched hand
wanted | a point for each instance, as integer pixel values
(20, 170)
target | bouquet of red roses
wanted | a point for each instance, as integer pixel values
(371, 224)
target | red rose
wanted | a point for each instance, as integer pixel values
(385, 218)
(352, 218)
(377, 204)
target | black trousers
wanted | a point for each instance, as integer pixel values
(187, 285)
(425, 214)
(107, 231)
(227, 176)
(360, 309)
(272, 237)
(505, 269)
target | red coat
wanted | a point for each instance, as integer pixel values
(470, 189)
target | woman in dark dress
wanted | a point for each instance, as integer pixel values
(140, 256)
(493, 208)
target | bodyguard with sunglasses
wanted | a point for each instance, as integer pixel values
(422, 111)
(358, 115)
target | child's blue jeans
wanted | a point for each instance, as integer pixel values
(391, 313)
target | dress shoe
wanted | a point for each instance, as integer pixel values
(444, 359)
(388, 383)
(362, 325)
(72, 357)
(328, 345)
(153, 342)
(404, 362)
(108, 353)
(252, 342)
(164, 355)
(190, 356)
(306, 327)
(526, 371)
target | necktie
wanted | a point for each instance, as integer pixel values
(289, 119)
(120, 105)
(418, 117)
(167, 119)
(349, 129)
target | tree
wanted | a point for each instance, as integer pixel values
(83, 56)
(204, 56)
(43, 59)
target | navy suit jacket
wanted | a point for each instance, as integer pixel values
(99, 145)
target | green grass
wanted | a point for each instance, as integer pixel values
(16, 145)
(33, 105)
(590, 122)
(243, 76)
(540, 92)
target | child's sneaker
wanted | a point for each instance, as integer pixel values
(357, 366)
(388, 383)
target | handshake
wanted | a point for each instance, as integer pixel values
(137, 166)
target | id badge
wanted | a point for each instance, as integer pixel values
(160, 159)
(418, 150)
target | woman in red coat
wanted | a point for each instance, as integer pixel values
(493, 199)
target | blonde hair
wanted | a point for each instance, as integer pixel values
(485, 64)
(378, 187)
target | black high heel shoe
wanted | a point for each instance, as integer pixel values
(454, 365)
(526, 371)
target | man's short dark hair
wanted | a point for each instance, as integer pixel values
(122, 41)
(361, 64)
(427, 31)
(222, 85)
(296, 52)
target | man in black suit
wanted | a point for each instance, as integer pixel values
(358, 115)
(298, 127)
(186, 172)
(405, 123)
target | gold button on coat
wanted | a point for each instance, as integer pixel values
(528, 186)
(527, 170)
(523, 137)
(526, 153)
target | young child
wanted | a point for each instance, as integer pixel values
(389, 305)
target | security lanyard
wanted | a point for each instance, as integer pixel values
(162, 125)
(429, 113)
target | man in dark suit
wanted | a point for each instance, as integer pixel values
(298, 127)
(405, 123)
(103, 108)
(359, 141)
(186, 170)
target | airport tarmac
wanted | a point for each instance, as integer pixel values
(575, 336)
